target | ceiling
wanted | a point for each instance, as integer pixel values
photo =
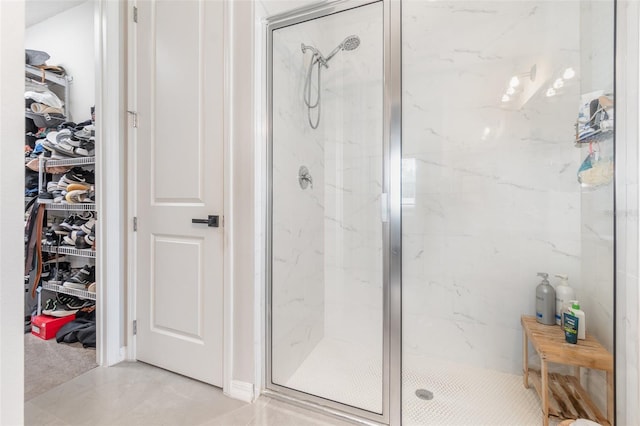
(39, 10)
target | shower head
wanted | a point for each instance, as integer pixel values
(350, 43)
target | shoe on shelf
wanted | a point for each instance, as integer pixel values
(89, 226)
(79, 175)
(85, 149)
(91, 288)
(52, 186)
(58, 196)
(68, 222)
(81, 241)
(72, 302)
(82, 278)
(59, 230)
(90, 238)
(50, 237)
(77, 196)
(45, 197)
(73, 238)
(59, 312)
(77, 186)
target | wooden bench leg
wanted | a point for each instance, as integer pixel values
(610, 412)
(525, 359)
(544, 390)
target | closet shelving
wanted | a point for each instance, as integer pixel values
(600, 136)
(44, 162)
(44, 76)
(70, 251)
(57, 286)
(86, 207)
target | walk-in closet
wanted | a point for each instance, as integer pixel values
(61, 214)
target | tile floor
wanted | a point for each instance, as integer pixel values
(138, 394)
(462, 395)
(134, 394)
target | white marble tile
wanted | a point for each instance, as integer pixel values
(496, 193)
(326, 239)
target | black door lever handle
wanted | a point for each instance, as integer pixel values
(212, 221)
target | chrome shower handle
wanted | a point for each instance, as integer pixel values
(304, 177)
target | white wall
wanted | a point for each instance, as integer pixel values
(242, 195)
(11, 213)
(627, 244)
(69, 39)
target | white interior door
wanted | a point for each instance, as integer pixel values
(179, 177)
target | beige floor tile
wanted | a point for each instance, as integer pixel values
(131, 394)
(284, 414)
(134, 394)
(266, 411)
(34, 416)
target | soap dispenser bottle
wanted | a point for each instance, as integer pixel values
(582, 320)
(564, 294)
(545, 301)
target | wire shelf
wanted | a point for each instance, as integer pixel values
(80, 161)
(599, 136)
(70, 251)
(59, 288)
(38, 73)
(65, 206)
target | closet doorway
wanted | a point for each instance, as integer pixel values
(60, 281)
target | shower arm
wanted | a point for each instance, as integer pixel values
(317, 56)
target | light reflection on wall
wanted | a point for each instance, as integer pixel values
(408, 181)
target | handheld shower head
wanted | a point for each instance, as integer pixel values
(349, 43)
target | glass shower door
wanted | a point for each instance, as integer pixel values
(327, 237)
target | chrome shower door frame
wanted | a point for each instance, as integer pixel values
(392, 238)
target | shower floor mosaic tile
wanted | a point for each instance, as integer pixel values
(465, 395)
(462, 395)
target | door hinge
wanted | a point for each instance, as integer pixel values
(135, 327)
(134, 117)
(135, 224)
(135, 14)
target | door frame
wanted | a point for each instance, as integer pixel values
(229, 386)
(392, 380)
(110, 39)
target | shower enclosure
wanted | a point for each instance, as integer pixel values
(329, 242)
(424, 165)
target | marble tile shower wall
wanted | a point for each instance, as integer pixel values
(352, 124)
(496, 197)
(327, 240)
(298, 215)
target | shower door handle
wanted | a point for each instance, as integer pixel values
(212, 221)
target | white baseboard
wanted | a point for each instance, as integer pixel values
(242, 391)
